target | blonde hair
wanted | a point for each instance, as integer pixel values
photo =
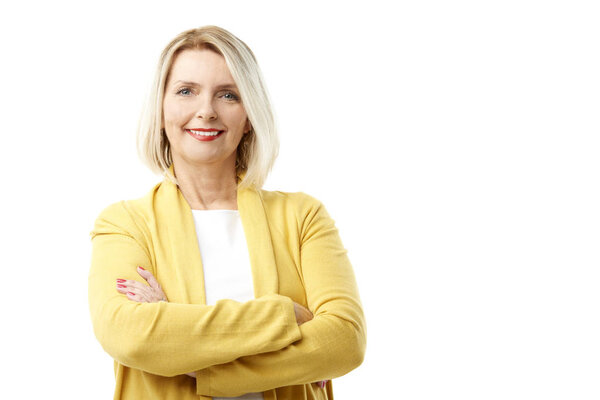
(257, 150)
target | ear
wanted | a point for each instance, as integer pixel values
(247, 126)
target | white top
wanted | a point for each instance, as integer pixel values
(226, 262)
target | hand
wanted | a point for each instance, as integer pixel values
(322, 384)
(139, 292)
(303, 314)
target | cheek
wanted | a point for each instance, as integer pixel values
(240, 117)
(173, 113)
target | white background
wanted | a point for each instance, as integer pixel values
(454, 143)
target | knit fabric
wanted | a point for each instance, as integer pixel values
(296, 255)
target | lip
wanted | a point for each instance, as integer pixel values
(205, 138)
(205, 130)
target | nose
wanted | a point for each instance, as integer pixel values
(206, 111)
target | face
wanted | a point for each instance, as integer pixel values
(203, 115)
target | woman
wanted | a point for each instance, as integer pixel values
(209, 286)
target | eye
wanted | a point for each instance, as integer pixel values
(184, 91)
(230, 96)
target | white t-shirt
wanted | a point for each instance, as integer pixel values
(226, 262)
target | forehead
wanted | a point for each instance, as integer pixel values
(204, 66)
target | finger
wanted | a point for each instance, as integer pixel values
(306, 311)
(131, 284)
(143, 295)
(300, 306)
(137, 297)
(147, 275)
(123, 285)
(138, 288)
(122, 288)
(140, 291)
(134, 297)
(157, 289)
(307, 314)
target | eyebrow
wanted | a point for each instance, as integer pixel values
(218, 87)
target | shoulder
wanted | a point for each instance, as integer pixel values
(300, 202)
(305, 211)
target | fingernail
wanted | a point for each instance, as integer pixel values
(121, 286)
(120, 280)
(133, 294)
(141, 268)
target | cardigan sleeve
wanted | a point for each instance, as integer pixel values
(333, 342)
(170, 339)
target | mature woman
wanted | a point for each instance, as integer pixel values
(210, 286)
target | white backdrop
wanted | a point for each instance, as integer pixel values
(454, 143)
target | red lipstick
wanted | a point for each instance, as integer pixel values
(204, 138)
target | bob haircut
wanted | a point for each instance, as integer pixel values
(257, 150)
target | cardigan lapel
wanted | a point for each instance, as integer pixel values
(260, 245)
(179, 245)
(173, 210)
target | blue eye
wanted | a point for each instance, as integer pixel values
(230, 96)
(184, 91)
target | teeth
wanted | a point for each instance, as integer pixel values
(200, 133)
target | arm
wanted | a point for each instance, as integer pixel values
(168, 338)
(152, 293)
(332, 344)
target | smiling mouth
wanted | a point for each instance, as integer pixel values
(204, 132)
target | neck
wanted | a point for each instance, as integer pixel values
(207, 187)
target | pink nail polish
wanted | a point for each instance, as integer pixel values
(120, 280)
(121, 286)
(133, 294)
(141, 268)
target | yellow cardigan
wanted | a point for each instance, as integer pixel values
(296, 255)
